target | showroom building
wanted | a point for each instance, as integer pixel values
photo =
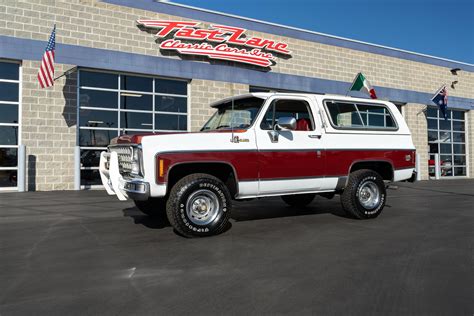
(132, 66)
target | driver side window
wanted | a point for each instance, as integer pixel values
(298, 109)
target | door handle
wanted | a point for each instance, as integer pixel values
(314, 136)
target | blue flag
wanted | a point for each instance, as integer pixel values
(441, 100)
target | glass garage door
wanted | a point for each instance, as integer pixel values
(111, 104)
(448, 139)
(9, 123)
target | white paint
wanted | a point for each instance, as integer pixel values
(403, 174)
(325, 136)
(248, 189)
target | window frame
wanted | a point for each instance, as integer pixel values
(18, 125)
(119, 130)
(215, 107)
(365, 128)
(451, 132)
(288, 98)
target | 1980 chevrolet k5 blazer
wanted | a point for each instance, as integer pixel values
(264, 144)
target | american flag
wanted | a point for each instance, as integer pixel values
(46, 71)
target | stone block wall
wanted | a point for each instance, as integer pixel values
(416, 120)
(92, 23)
(49, 115)
(205, 92)
(49, 129)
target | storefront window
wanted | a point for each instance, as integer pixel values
(448, 139)
(9, 123)
(112, 104)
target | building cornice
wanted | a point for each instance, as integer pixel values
(195, 13)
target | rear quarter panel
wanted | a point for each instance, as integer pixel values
(344, 147)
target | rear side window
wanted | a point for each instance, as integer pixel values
(359, 115)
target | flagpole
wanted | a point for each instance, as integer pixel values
(67, 72)
(353, 80)
(437, 91)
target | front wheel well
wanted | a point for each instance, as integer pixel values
(223, 171)
(383, 168)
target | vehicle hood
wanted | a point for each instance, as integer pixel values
(138, 138)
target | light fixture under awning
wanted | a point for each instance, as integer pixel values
(128, 94)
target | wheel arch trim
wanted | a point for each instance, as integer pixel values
(355, 162)
(217, 162)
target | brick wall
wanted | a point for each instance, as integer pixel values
(416, 120)
(49, 130)
(204, 92)
(96, 24)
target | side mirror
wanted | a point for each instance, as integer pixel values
(286, 123)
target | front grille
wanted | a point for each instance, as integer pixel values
(124, 154)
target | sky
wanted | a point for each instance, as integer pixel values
(434, 27)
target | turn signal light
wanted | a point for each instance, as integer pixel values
(161, 170)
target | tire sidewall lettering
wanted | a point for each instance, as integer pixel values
(187, 191)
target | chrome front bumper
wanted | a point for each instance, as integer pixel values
(115, 184)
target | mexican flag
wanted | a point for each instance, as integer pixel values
(360, 82)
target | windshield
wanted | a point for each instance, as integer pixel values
(240, 115)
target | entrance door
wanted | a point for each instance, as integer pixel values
(447, 138)
(295, 161)
(10, 127)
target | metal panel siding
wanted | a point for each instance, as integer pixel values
(26, 49)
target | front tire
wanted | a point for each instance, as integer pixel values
(298, 200)
(199, 205)
(364, 196)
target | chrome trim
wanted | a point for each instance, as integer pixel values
(364, 129)
(369, 195)
(202, 207)
(131, 187)
(125, 152)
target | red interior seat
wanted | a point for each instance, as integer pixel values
(303, 124)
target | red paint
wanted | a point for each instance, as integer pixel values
(252, 165)
(338, 162)
(291, 164)
(136, 138)
(254, 50)
(244, 162)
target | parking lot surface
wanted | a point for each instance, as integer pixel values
(85, 253)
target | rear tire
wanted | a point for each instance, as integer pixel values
(199, 205)
(298, 200)
(152, 206)
(364, 196)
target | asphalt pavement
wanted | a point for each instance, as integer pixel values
(86, 253)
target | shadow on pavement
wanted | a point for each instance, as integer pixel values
(153, 222)
(250, 211)
(275, 208)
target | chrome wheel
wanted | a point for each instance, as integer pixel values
(202, 207)
(369, 195)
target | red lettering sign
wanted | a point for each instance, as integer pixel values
(254, 50)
